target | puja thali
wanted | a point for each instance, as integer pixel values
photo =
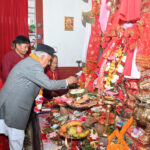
(83, 102)
(85, 105)
(73, 130)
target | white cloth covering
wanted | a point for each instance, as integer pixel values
(135, 74)
(15, 136)
(86, 41)
(87, 37)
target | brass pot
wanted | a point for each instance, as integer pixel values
(141, 115)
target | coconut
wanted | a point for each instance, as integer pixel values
(76, 92)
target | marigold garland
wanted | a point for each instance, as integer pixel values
(121, 144)
(112, 71)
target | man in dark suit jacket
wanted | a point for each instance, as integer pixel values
(19, 91)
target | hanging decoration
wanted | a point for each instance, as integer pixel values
(90, 69)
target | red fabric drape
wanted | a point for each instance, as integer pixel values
(3, 142)
(1, 84)
(130, 10)
(13, 22)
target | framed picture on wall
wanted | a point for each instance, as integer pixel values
(69, 23)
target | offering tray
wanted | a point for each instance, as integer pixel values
(90, 103)
(73, 130)
(108, 100)
(83, 102)
(66, 136)
(76, 92)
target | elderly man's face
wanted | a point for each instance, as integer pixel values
(45, 60)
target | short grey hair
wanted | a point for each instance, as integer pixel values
(40, 53)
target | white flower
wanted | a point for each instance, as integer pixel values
(108, 87)
(124, 58)
(120, 69)
(107, 68)
(117, 59)
(105, 78)
(115, 78)
(108, 64)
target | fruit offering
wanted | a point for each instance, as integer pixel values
(74, 129)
